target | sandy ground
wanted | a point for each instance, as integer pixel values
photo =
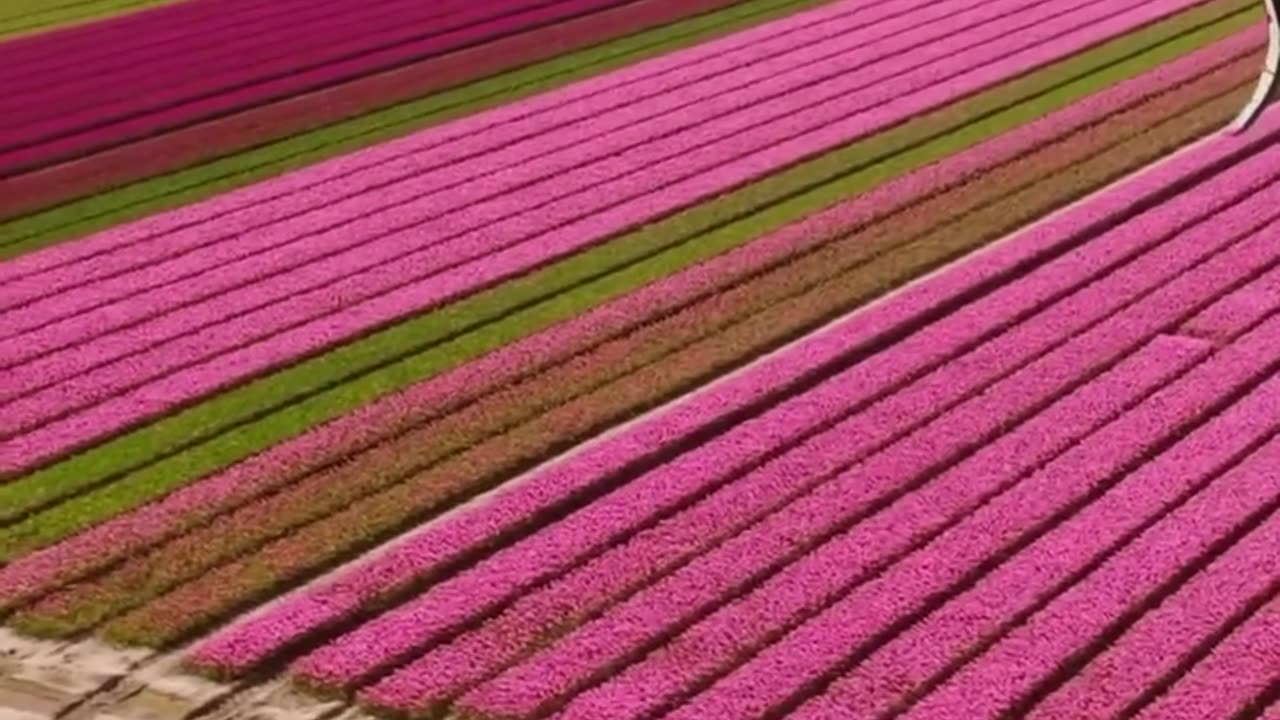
(41, 680)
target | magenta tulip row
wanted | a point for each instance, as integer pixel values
(1238, 671)
(198, 24)
(1030, 653)
(471, 141)
(1152, 649)
(148, 54)
(61, 120)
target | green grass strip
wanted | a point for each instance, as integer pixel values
(80, 217)
(391, 359)
(23, 17)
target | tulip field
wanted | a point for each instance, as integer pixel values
(638, 359)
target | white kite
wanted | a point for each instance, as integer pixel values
(1265, 93)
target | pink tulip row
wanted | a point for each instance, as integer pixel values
(553, 674)
(934, 645)
(373, 645)
(61, 320)
(287, 232)
(781, 673)
(455, 201)
(119, 394)
(430, 398)
(735, 504)
(469, 139)
(245, 644)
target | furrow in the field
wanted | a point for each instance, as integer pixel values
(429, 683)
(157, 477)
(82, 410)
(401, 414)
(1164, 641)
(784, 673)
(1240, 309)
(257, 126)
(605, 128)
(554, 675)
(435, 547)
(43, 142)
